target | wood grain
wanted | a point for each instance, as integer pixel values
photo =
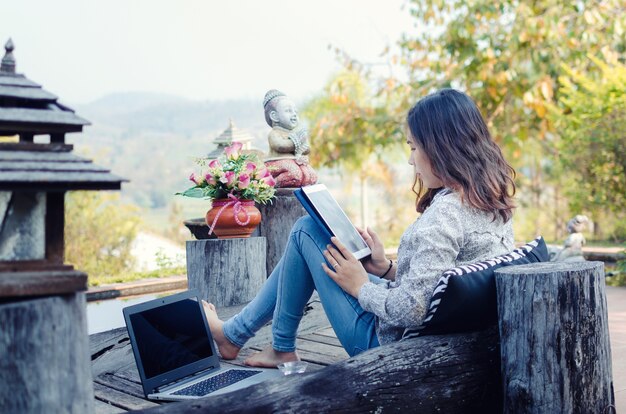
(554, 332)
(226, 271)
(44, 356)
(278, 219)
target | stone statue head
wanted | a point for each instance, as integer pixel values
(577, 224)
(280, 110)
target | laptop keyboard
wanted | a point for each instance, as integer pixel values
(217, 382)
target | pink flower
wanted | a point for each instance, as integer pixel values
(244, 181)
(269, 180)
(210, 179)
(230, 178)
(214, 164)
(263, 172)
(232, 151)
(197, 180)
(250, 167)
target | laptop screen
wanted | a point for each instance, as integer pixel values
(170, 336)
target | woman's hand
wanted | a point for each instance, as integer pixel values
(378, 263)
(346, 270)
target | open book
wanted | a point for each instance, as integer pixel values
(322, 206)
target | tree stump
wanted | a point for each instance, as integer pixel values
(556, 355)
(431, 374)
(226, 272)
(278, 219)
(44, 356)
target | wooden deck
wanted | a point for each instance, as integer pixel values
(116, 382)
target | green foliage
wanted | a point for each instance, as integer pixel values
(591, 120)
(351, 125)
(507, 54)
(618, 274)
(99, 230)
(359, 132)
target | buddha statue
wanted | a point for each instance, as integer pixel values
(573, 247)
(288, 159)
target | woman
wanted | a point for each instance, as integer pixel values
(464, 189)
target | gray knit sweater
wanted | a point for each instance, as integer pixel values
(446, 235)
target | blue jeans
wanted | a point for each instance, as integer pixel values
(288, 289)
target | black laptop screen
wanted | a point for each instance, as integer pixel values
(170, 336)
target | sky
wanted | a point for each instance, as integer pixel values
(82, 50)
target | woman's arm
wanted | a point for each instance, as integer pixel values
(438, 240)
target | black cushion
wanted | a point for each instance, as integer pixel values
(464, 299)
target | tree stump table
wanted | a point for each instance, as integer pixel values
(226, 272)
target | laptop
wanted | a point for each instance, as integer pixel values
(175, 353)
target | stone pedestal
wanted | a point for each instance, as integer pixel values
(278, 219)
(226, 271)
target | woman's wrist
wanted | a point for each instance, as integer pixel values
(388, 269)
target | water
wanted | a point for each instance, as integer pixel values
(105, 315)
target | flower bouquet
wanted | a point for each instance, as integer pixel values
(234, 181)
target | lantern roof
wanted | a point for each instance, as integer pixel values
(26, 110)
(232, 134)
(25, 107)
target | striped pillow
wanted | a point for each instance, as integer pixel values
(464, 299)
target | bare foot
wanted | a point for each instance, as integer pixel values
(227, 349)
(269, 358)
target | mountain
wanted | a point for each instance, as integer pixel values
(152, 139)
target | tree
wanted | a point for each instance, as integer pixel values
(99, 231)
(591, 120)
(508, 55)
(356, 130)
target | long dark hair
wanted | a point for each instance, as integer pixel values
(449, 128)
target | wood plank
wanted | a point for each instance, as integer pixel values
(55, 227)
(102, 342)
(115, 290)
(42, 116)
(62, 184)
(21, 284)
(25, 151)
(54, 166)
(120, 399)
(105, 408)
(315, 337)
(327, 331)
(336, 352)
(33, 266)
(121, 384)
(39, 177)
(17, 80)
(33, 94)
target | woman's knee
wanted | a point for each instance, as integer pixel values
(304, 223)
(309, 227)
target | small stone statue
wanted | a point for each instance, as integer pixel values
(572, 248)
(287, 159)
